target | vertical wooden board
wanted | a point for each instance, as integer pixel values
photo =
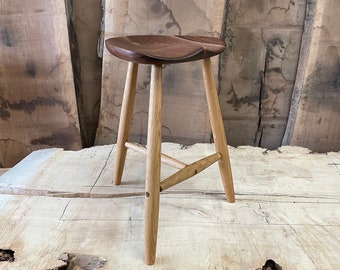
(315, 112)
(291, 216)
(185, 116)
(37, 100)
(85, 29)
(258, 68)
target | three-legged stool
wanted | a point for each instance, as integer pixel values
(159, 50)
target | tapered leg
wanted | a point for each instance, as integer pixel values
(153, 164)
(217, 127)
(125, 120)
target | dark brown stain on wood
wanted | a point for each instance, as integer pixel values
(80, 261)
(322, 88)
(271, 265)
(237, 102)
(8, 36)
(273, 82)
(56, 139)
(7, 255)
(39, 10)
(31, 69)
(160, 9)
(28, 106)
(4, 114)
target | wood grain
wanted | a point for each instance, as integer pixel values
(220, 140)
(37, 96)
(164, 158)
(125, 120)
(84, 26)
(258, 69)
(291, 216)
(183, 84)
(315, 111)
(153, 165)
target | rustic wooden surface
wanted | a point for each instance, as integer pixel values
(287, 209)
(185, 112)
(84, 18)
(37, 98)
(315, 111)
(258, 70)
(3, 170)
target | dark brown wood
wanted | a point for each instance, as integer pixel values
(84, 20)
(164, 49)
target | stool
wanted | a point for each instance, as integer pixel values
(157, 50)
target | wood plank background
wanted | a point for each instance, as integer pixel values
(257, 77)
(315, 112)
(38, 107)
(258, 69)
(84, 21)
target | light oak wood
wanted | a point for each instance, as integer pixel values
(189, 171)
(153, 165)
(291, 216)
(216, 121)
(125, 120)
(170, 161)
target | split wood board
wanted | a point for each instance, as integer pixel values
(287, 209)
(38, 106)
(84, 18)
(258, 69)
(185, 113)
(314, 120)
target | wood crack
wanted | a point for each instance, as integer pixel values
(102, 170)
(282, 198)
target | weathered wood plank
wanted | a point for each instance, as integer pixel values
(37, 98)
(258, 69)
(84, 20)
(314, 119)
(183, 85)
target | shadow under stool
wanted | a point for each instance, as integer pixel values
(157, 50)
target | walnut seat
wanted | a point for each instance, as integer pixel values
(157, 49)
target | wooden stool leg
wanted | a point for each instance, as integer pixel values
(125, 120)
(217, 127)
(153, 164)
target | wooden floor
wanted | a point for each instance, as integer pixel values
(287, 209)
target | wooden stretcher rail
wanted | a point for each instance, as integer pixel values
(164, 158)
(189, 171)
